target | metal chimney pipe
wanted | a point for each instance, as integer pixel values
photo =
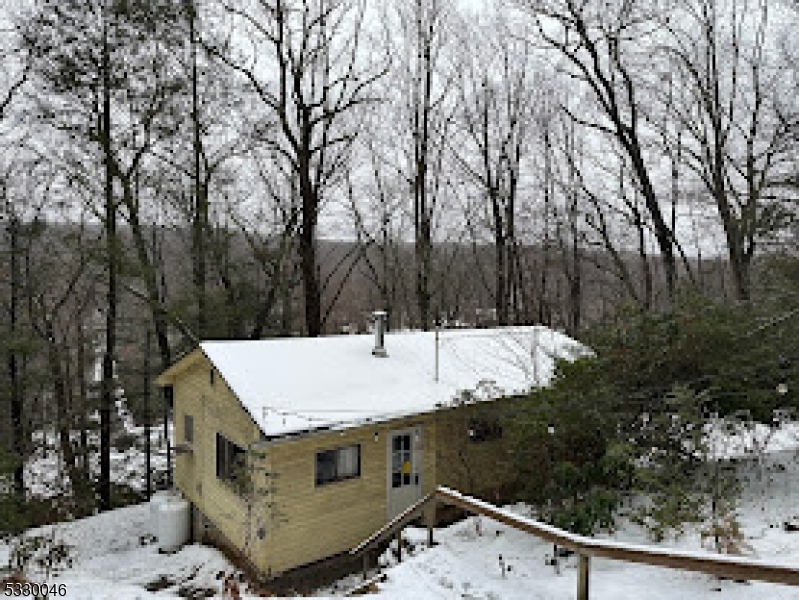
(380, 333)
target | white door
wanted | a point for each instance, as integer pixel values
(404, 469)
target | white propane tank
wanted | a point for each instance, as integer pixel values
(156, 501)
(173, 524)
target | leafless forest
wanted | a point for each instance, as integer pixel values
(179, 170)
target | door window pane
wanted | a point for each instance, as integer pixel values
(401, 464)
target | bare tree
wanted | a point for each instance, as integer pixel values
(13, 229)
(376, 209)
(12, 91)
(740, 119)
(597, 44)
(424, 31)
(605, 216)
(496, 106)
(322, 74)
(569, 231)
(84, 60)
(267, 219)
(199, 224)
(10, 215)
(59, 293)
(421, 101)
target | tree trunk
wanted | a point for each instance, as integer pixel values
(65, 420)
(15, 383)
(501, 257)
(148, 481)
(200, 191)
(83, 393)
(286, 309)
(576, 279)
(107, 393)
(421, 133)
(149, 276)
(307, 246)
(663, 234)
(543, 308)
(423, 255)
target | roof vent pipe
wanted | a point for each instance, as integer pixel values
(380, 333)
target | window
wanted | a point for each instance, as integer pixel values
(484, 430)
(229, 462)
(188, 428)
(401, 460)
(339, 464)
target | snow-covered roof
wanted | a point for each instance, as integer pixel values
(290, 385)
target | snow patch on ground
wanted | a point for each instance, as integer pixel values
(46, 475)
(726, 438)
(111, 559)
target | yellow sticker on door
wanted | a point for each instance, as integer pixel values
(406, 467)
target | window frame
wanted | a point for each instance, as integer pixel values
(188, 428)
(483, 430)
(325, 480)
(227, 454)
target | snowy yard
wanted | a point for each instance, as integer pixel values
(111, 561)
(467, 565)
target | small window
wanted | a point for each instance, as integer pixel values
(230, 462)
(339, 464)
(484, 430)
(188, 428)
(212, 376)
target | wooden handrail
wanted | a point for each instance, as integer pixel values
(732, 567)
(397, 523)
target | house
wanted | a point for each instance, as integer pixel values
(296, 449)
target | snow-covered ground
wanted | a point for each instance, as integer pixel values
(112, 560)
(109, 560)
(466, 564)
(45, 475)
(727, 438)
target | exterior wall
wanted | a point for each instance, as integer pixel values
(214, 409)
(485, 469)
(310, 523)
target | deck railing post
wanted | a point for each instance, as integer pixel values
(365, 564)
(430, 521)
(399, 546)
(582, 578)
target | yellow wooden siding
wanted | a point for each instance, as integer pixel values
(214, 409)
(314, 522)
(483, 468)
